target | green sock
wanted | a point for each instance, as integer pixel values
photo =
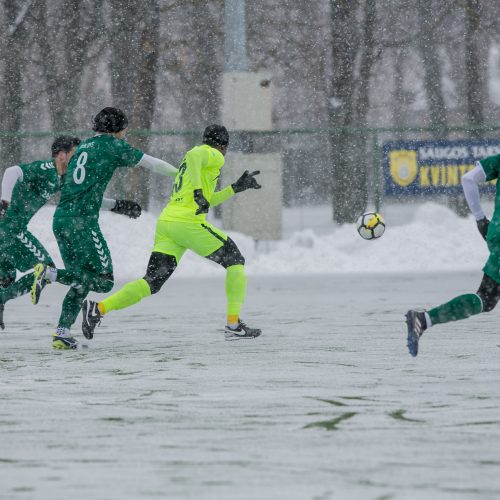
(129, 295)
(236, 288)
(460, 307)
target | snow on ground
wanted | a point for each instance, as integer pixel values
(426, 237)
(327, 404)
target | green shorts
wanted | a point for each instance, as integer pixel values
(492, 266)
(82, 244)
(174, 238)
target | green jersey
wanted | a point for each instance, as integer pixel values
(491, 167)
(200, 169)
(89, 172)
(39, 184)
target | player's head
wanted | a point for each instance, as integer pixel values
(110, 121)
(216, 136)
(64, 144)
(62, 149)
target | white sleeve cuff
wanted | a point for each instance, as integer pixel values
(10, 177)
(470, 185)
(108, 204)
(158, 166)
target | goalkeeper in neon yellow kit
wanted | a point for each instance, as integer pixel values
(182, 226)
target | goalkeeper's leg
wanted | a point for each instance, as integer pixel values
(160, 268)
(229, 257)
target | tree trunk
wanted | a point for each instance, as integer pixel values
(474, 79)
(12, 103)
(134, 64)
(345, 39)
(428, 45)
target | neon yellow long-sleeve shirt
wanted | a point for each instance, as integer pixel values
(199, 169)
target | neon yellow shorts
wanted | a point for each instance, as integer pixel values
(174, 238)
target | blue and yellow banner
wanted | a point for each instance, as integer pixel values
(432, 167)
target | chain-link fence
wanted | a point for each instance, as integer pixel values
(308, 156)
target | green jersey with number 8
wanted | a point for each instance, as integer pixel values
(89, 172)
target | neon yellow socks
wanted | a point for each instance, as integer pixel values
(236, 288)
(129, 295)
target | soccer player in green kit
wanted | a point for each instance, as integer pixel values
(25, 189)
(182, 225)
(86, 256)
(488, 293)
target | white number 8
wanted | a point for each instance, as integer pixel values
(79, 173)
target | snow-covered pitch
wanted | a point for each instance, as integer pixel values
(326, 404)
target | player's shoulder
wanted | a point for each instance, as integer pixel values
(214, 157)
(39, 165)
(490, 163)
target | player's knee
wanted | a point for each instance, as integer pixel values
(489, 301)
(228, 255)
(489, 293)
(160, 267)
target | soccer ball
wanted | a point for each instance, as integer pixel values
(370, 225)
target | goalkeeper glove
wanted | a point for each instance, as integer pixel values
(4, 205)
(127, 207)
(482, 225)
(201, 201)
(246, 181)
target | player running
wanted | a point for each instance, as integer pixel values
(488, 294)
(182, 225)
(84, 250)
(25, 189)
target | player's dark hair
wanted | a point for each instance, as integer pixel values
(110, 120)
(64, 143)
(216, 135)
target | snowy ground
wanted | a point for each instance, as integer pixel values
(327, 404)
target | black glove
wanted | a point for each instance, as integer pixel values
(127, 207)
(246, 181)
(482, 225)
(4, 205)
(201, 201)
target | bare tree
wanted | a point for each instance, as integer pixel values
(74, 27)
(429, 49)
(13, 42)
(474, 81)
(348, 177)
(134, 67)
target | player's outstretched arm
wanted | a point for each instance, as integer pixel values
(157, 166)
(246, 181)
(10, 177)
(470, 184)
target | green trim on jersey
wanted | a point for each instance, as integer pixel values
(491, 167)
(40, 183)
(200, 169)
(89, 172)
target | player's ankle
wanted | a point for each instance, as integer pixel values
(101, 308)
(232, 320)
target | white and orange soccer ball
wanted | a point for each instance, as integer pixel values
(370, 225)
